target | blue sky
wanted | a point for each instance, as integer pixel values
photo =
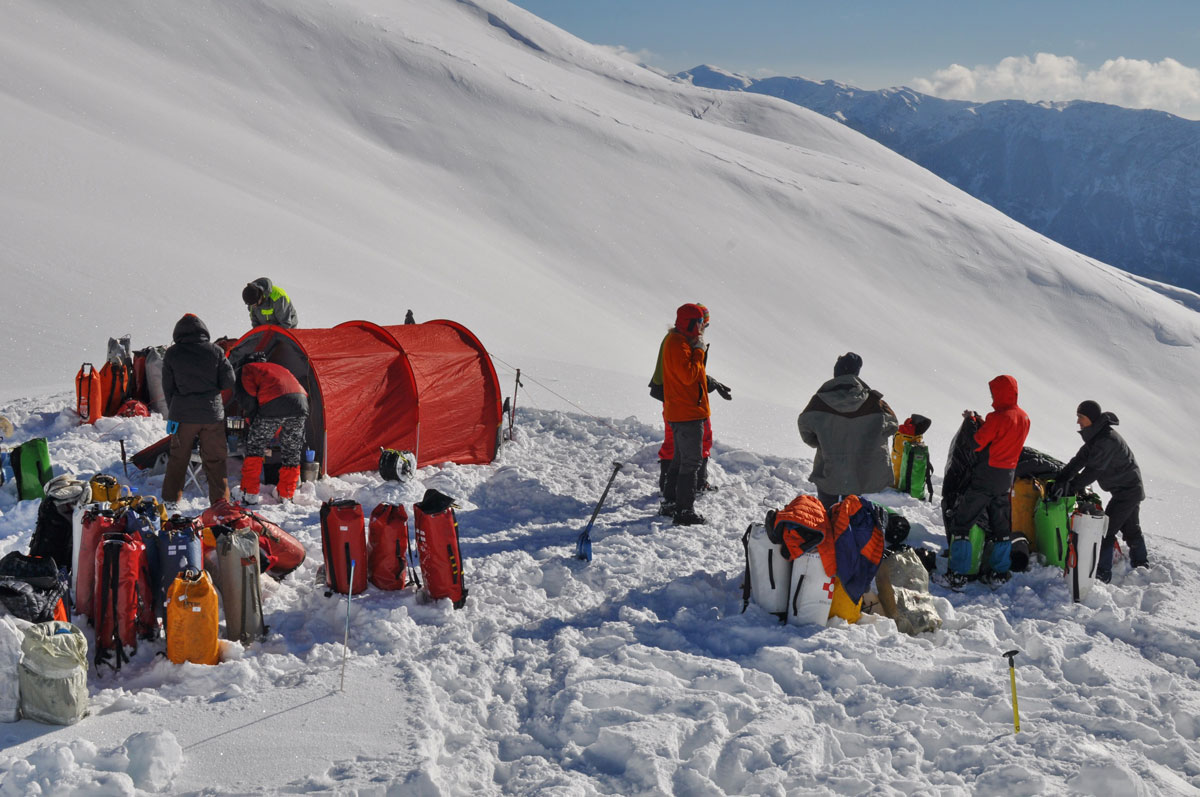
(1136, 54)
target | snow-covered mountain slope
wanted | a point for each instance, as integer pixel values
(1114, 183)
(468, 160)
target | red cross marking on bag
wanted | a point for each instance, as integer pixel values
(829, 589)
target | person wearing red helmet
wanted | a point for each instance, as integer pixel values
(666, 452)
(685, 389)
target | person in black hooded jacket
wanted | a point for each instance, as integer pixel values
(1106, 458)
(195, 372)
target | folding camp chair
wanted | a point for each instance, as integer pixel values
(195, 466)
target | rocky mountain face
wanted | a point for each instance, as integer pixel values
(1119, 185)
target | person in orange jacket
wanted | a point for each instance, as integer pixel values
(685, 408)
(666, 452)
(270, 395)
(1002, 436)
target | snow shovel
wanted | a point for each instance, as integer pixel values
(583, 548)
(1012, 680)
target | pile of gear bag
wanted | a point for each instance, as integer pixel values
(104, 556)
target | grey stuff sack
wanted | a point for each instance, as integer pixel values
(154, 380)
(237, 581)
(53, 674)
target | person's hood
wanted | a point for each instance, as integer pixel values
(190, 329)
(264, 283)
(844, 393)
(1004, 392)
(1107, 420)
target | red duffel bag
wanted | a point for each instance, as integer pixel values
(437, 547)
(387, 547)
(344, 541)
(281, 552)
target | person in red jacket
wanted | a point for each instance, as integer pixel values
(685, 408)
(1000, 438)
(271, 396)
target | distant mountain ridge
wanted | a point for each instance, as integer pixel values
(1119, 185)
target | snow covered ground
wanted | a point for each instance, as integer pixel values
(470, 161)
(636, 673)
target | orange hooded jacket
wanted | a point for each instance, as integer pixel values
(1004, 430)
(685, 383)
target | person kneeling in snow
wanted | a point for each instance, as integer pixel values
(269, 395)
(1105, 457)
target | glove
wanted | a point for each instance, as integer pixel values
(724, 392)
(172, 427)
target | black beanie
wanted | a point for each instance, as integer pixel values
(1090, 410)
(251, 295)
(848, 364)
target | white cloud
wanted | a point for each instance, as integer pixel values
(621, 51)
(1166, 85)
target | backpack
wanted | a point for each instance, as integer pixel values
(114, 387)
(911, 431)
(89, 399)
(396, 466)
(124, 601)
(193, 619)
(916, 471)
(60, 510)
(281, 552)
(105, 489)
(344, 546)
(30, 588)
(438, 549)
(178, 550)
(95, 525)
(768, 573)
(960, 463)
(238, 582)
(387, 547)
(154, 395)
(53, 674)
(1052, 523)
(132, 408)
(31, 468)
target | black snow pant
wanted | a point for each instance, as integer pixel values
(1123, 516)
(680, 487)
(291, 438)
(987, 502)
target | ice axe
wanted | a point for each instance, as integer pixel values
(1012, 681)
(583, 548)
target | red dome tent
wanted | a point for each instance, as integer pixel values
(427, 388)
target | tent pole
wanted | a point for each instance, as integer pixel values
(512, 411)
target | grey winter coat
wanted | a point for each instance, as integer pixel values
(1105, 458)
(194, 373)
(850, 426)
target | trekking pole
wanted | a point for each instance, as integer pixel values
(124, 460)
(346, 640)
(583, 547)
(512, 411)
(1012, 682)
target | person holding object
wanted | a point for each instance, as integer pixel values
(194, 373)
(685, 408)
(1002, 436)
(272, 399)
(1106, 458)
(268, 304)
(667, 451)
(851, 426)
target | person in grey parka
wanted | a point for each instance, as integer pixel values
(850, 425)
(269, 304)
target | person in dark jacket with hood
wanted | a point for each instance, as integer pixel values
(986, 501)
(272, 397)
(195, 372)
(850, 425)
(1106, 458)
(268, 304)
